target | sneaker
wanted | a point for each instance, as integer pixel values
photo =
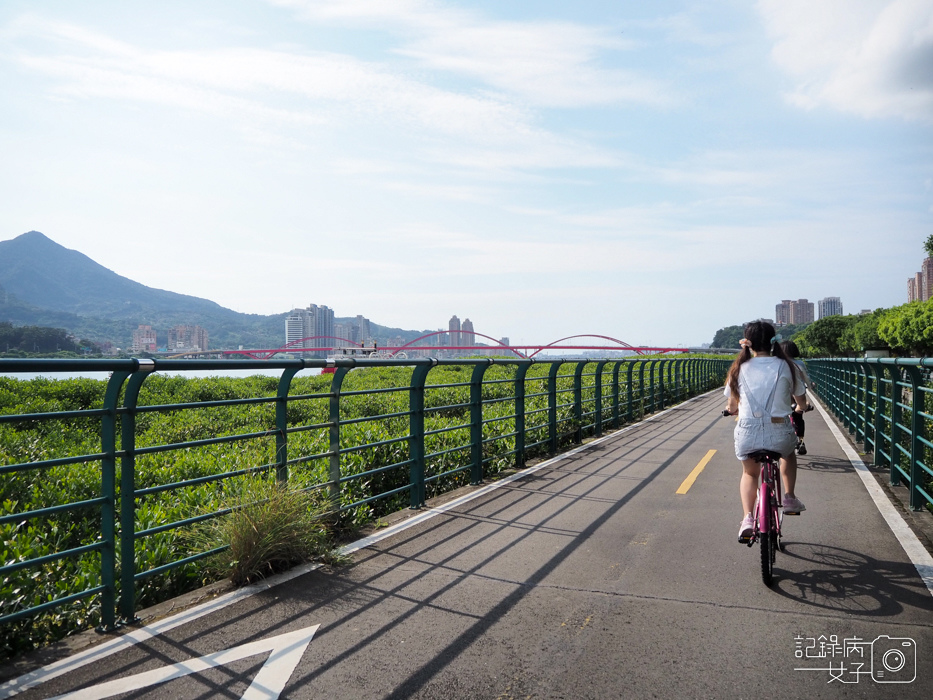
(793, 506)
(746, 529)
(801, 448)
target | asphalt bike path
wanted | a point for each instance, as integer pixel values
(589, 576)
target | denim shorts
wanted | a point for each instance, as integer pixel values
(761, 434)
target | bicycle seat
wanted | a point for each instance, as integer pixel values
(762, 455)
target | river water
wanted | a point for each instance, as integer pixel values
(189, 374)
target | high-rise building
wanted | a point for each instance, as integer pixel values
(467, 335)
(801, 311)
(830, 306)
(187, 338)
(453, 326)
(315, 325)
(782, 313)
(144, 340)
(926, 272)
(344, 331)
(298, 325)
(795, 312)
(365, 334)
(920, 286)
(323, 318)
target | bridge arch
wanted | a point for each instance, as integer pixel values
(409, 345)
(588, 335)
(293, 346)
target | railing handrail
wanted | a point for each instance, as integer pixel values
(871, 396)
(611, 398)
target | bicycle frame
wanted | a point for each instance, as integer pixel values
(768, 512)
(769, 519)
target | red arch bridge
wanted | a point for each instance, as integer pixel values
(430, 343)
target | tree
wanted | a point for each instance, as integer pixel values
(909, 328)
(826, 337)
(863, 334)
(928, 246)
(728, 337)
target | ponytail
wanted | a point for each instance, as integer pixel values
(732, 378)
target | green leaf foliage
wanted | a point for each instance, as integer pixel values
(909, 328)
(826, 337)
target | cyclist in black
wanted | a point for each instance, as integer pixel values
(796, 417)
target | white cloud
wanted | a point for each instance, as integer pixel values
(260, 90)
(552, 64)
(869, 57)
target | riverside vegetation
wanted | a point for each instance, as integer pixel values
(383, 420)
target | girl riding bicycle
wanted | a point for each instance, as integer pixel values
(796, 418)
(760, 387)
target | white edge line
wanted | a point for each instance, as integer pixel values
(914, 549)
(58, 668)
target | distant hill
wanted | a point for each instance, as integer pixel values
(45, 284)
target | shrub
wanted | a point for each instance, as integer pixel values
(270, 529)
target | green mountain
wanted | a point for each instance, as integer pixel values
(45, 284)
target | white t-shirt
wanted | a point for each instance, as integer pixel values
(806, 375)
(759, 375)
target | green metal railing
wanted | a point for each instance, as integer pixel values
(883, 404)
(529, 407)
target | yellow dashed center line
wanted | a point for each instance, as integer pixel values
(688, 482)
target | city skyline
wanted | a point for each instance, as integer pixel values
(624, 169)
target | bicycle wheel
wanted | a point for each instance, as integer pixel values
(767, 540)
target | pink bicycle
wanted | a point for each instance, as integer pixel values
(768, 511)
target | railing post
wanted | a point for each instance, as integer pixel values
(599, 397)
(652, 371)
(896, 418)
(552, 404)
(578, 402)
(127, 605)
(868, 419)
(663, 365)
(416, 432)
(281, 424)
(878, 419)
(861, 385)
(520, 371)
(333, 435)
(850, 393)
(108, 512)
(615, 394)
(476, 420)
(917, 433)
(642, 364)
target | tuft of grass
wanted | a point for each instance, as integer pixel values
(271, 529)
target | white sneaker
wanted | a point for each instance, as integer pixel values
(793, 506)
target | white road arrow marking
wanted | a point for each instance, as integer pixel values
(287, 650)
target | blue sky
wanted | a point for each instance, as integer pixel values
(646, 171)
